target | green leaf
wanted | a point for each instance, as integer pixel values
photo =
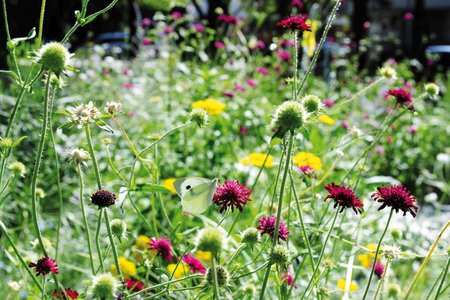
(150, 188)
(13, 75)
(100, 123)
(14, 42)
(17, 142)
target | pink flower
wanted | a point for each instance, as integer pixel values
(408, 16)
(297, 3)
(345, 125)
(199, 27)
(267, 226)
(219, 45)
(295, 23)
(412, 130)
(162, 246)
(232, 195)
(229, 94)
(195, 265)
(263, 71)
(106, 72)
(288, 279)
(243, 130)
(146, 41)
(283, 55)
(146, 22)
(260, 44)
(228, 19)
(389, 139)
(128, 85)
(127, 72)
(379, 149)
(328, 103)
(402, 96)
(176, 15)
(286, 44)
(238, 87)
(133, 285)
(251, 82)
(379, 269)
(167, 30)
(308, 171)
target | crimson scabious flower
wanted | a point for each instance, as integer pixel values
(308, 171)
(71, 293)
(402, 96)
(103, 198)
(343, 197)
(44, 266)
(195, 265)
(133, 285)
(162, 246)
(267, 225)
(288, 279)
(228, 19)
(397, 197)
(379, 269)
(263, 71)
(232, 195)
(219, 45)
(294, 23)
(283, 55)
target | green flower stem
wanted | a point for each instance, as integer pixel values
(188, 248)
(380, 283)
(317, 266)
(261, 169)
(277, 178)
(87, 131)
(215, 283)
(37, 165)
(22, 261)
(361, 92)
(295, 51)
(113, 244)
(280, 204)
(376, 254)
(41, 23)
(444, 275)
(125, 135)
(321, 42)
(238, 251)
(97, 240)
(251, 272)
(163, 284)
(427, 258)
(86, 225)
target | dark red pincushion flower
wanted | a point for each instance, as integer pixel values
(379, 269)
(267, 225)
(162, 246)
(308, 171)
(195, 265)
(232, 194)
(295, 23)
(44, 266)
(133, 285)
(71, 293)
(288, 279)
(397, 197)
(103, 198)
(402, 96)
(344, 197)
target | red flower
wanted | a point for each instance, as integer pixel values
(379, 269)
(402, 96)
(288, 279)
(231, 194)
(162, 246)
(308, 171)
(103, 198)
(71, 293)
(194, 264)
(295, 23)
(344, 197)
(397, 197)
(133, 285)
(44, 266)
(228, 19)
(267, 225)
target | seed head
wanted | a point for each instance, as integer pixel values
(312, 104)
(54, 57)
(17, 169)
(251, 236)
(210, 239)
(222, 276)
(199, 116)
(290, 116)
(104, 286)
(280, 256)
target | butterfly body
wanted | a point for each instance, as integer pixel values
(196, 193)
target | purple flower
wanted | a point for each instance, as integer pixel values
(239, 87)
(228, 19)
(345, 125)
(283, 55)
(195, 265)
(146, 41)
(229, 94)
(328, 103)
(260, 44)
(286, 44)
(219, 45)
(251, 82)
(294, 23)
(288, 279)
(146, 22)
(412, 130)
(176, 15)
(44, 266)
(379, 269)
(402, 96)
(199, 27)
(162, 246)
(267, 226)
(128, 85)
(232, 194)
(297, 3)
(408, 16)
(263, 71)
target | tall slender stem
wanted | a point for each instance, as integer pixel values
(92, 153)
(382, 279)
(444, 275)
(41, 23)
(377, 252)
(113, 244)
(97, 240)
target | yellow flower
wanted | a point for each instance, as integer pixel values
(140, 247)
(128, 268)
(308, 159)
(178, 272)
(204, 256)
(257, 160)
(372, 248)
(326, 119)
(212, 106)
(168, 184)
(342, 283)
(309, 38)
(366, 259)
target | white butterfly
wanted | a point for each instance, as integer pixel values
(196, 193)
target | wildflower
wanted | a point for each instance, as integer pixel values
(328, 263)
(286, 44)
(229, 94)
(219, 45)
(297, 3)
(408, 16)
(250, 236)
(391, 252)
(168, 184)
(84, 113)
(328, 103)
(139, 247)
(146, 22)
(168, 30)
(195, 265)
(221, 275)
(303, 159)
(402, 96)
(212, 106)
(162, 246)
(251, 82)
(127, 85)
(263, 71)
(17, 169)
(113, 107)
(228, 19)
(394, 291)
(127, 267)
(78, 156)
(267, 225)
(53, 57)
(289, 116)
(176, 15)
(71, 293)
(231, 194)
(283, 55)
(103, 198)
(104, 286)
(119, 228)
(133, 285)
(396, 233)
(199, 116)
(178, 271)
(379, 269)
(147, 42)
(44, 266)
(388, 73)
(243, 130)
(257, 160)
(199, 27)
(324, 292)
(239, 87)
(432, 89)
(343, 197)
(412, 130)
(294, 23)
(345, 125)
(326, 119)
(397, 197)
(288, 279)
(249, 289)
(311, 103)
(342, 283)
(280, 256)
(210, 239)
(309, 38)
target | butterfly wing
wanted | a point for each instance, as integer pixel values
(198, 198)
(183, 185)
